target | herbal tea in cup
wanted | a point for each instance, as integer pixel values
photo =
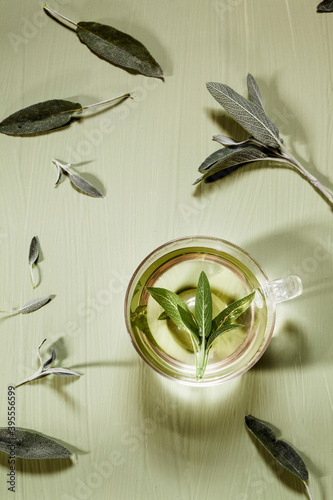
(201, 310)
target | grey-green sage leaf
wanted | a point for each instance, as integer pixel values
(282, 451)
(248, 114)
(190, 321)
(84, 186)
(31, 445)
(234, 156)
(217, 333)
(325, 6)
(254, 92)
(115, 46)
(33, 257)
(45, 116)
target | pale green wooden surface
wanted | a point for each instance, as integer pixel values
(143, 437)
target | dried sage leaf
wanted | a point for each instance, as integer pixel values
(31, 445)
(325, 6)
(282, 451)
(45, 116)
(115, 46)
(213, 158)
(84, 186)
(248, 114)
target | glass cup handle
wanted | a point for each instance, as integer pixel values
(285, 288)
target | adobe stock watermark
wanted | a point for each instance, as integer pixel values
(309, 265)
(30, 27)
(198, 204)
(130, 442)
(94, 138)
(11, 422)
(223, 7)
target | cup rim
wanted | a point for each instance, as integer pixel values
(202, 383)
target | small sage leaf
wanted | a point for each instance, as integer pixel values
(254, 92)
(50, 361)
(139, 319)
(34, 305)
(234, 156)
(248, 114)
(115, 46)
(31, 445)
(163, 316)
(232, 312)
(204, 305)
(325, 6)
(282, 451)
(33, 251)
(33, 257)
(85, 186)
(46, 368)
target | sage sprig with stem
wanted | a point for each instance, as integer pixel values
(202, 328)
(282, 451)
(46, 368)
(264, 142)
(47, 115)
(114, 46)
(33, 257)
(31, 306)
(78, 181)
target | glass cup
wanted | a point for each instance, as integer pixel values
(232, 274)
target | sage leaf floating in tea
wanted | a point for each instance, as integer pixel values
(31, 306)
(282, 451)
(31, 445)
(78, 181)
(45, 116)
(33, 257)
(325, 6)
(114, 46)
(201, 326)
(264, 142)
(46, 368)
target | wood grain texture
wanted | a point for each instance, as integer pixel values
(139, 436)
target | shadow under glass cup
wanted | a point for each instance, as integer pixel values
(232, 274)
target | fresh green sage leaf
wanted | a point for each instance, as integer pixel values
(115, 46)
(254, 92)
(223, 329)
(325, 6)
(170, 302)
(248, 114)
(46, 368)
(204, 306)
(234, 156)
(190, 321)
(282, 451)
(139, 319)
(31, 445)
(232, 312)
(45, 116)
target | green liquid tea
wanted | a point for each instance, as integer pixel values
(179, 272)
